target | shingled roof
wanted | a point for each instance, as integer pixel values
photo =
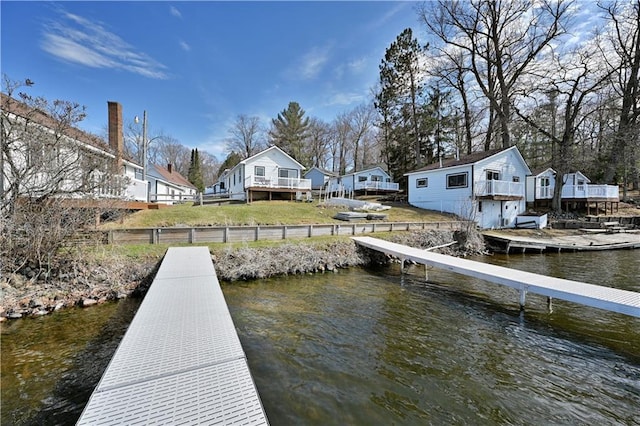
(172, 176)
(43, 119)
(467, 159)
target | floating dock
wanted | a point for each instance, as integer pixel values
(590, 240)
(180, 361)
(611, 299)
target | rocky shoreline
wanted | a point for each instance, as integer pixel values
(98, 281)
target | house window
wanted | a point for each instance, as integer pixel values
(516, 179)
(222, 186)
(479, 206)
(376, 178)
(362, 178)
(493, 175)
(422, 183)
(458, 180)
(287, 173)
(259, 171)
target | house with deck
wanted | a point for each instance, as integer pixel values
(46, 156)
(271, 174)
(577, 191)
(167, 186)
(372, 180)
(319, 177)
(486, 187)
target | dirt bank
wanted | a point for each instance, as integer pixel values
(96, 280)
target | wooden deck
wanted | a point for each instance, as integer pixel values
(611, 299)
(180, 361)
(591, 240)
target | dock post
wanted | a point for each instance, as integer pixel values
(550, 304)
(402, 266)
(523, 296)
(426, 272)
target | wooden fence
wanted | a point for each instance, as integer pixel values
(232, 234)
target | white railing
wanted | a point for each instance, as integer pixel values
(544, 193)
(277, 183)
(604, 191)
(377, 186)
(611, 192)
(499, 187)
(591, 191)
(171, 198)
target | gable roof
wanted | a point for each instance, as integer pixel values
(323, 171)
(541, 170)
(271, 148)
(172, 177)
(43, 119)
(468, 159)
(369, 168)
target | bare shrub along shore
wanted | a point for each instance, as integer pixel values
(96, 280)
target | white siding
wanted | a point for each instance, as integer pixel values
(436, 196)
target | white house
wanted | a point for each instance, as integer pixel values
(577, 191)
(50, 158)
(167, 186)
(540, 186)
(485, 187)
(319, 177)
(270, 174)
(371, 180)
(219, 187)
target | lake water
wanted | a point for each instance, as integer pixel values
(374, 346)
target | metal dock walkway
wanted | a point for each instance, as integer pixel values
(180, 361)
(612, 299)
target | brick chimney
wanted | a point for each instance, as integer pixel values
(116, 135)
(170, 168)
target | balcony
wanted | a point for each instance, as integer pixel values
(499, 189)
(376, 186)
(275, 183)
(544, 193)
(591, 192)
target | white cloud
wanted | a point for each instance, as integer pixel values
(312, 63)
(185, 46)
(78, 40)
(344, 98)
(175, 12)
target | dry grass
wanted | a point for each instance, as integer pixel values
(260, 213)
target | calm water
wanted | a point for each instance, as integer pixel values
(377, 347)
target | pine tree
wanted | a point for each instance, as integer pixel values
(195, 171)
(289, 132)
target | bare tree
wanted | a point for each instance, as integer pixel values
(246, 136)
(46, 163)
(169, 150)
(570, 86)
(318, 142)
(621, 52)
(501, 41)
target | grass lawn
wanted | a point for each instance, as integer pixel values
(259, 213)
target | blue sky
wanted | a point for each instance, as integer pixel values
(195, 66)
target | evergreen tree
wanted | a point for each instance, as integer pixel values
(400, 102)
(195, 171)
(232, 159)
(289, 132)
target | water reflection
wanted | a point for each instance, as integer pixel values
(377, 347)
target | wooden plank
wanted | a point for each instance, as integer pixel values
(612, 299)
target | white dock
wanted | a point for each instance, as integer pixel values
(180, 361)
(611, 299)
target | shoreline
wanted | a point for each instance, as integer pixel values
(96, 281)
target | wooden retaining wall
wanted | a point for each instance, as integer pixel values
(232, 234)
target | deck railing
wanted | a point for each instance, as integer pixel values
(277, 182)
(376, 186)
(499, 187)
(610, 192)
